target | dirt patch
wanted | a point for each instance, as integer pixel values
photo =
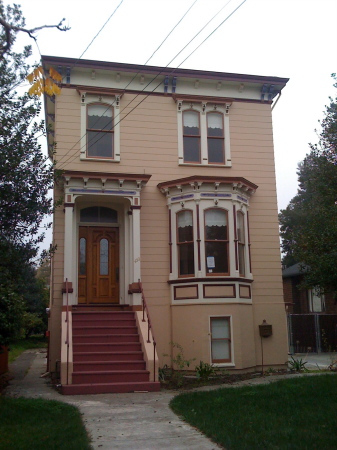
(187, 382)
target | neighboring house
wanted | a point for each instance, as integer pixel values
(312, 316)
(168, 179)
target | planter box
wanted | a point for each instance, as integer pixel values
(3, 359)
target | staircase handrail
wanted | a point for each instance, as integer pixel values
(145, 309)
(67, 335)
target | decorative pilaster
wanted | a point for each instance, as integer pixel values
(69, 264)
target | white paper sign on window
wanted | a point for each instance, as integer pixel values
(210, 262)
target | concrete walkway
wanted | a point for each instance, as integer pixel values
(114, 421)
(141, 421)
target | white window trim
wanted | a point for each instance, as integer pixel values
(114, 102)
(226, 205)
(225, 364)
(203, 108)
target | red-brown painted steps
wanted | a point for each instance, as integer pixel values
(107, 354)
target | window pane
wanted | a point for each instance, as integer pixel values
(100, 144)
(242, 259)
(215, 150)
(98, 214)
(216, 224)
(191, 149)
(220, 328)
(186, 259)
(191, 123)
(83, 248)
(185, 226)
(220, 350)
(214, 125)
(218, 250)
(100, 117)
(240, 227)
(104, 257)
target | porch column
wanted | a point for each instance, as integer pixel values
(136, 272)
(68, 263)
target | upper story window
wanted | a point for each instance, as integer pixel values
(100, 129)
(215, 138)
(191, 130)
(203, 134)
(100, 142)
(185, 243)
(240, 221)
(216, 241)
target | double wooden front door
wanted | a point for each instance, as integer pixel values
(98, 279)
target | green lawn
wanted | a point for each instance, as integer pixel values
(20, 345)
(291, 414)
(37, 424)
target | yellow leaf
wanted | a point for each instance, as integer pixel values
(55, 75)
(30, 78)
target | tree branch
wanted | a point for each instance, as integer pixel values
(8, 28)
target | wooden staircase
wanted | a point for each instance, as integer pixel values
(107, 353)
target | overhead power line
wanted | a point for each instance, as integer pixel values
(172, 71)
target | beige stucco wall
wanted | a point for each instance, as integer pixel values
(149, 145)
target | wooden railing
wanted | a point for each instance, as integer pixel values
(67, 320)
(150, 334)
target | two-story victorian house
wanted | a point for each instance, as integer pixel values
(169, 194)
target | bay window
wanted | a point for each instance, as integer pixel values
(241, 242)
(185, 243)
(216, 241)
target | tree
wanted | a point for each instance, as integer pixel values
(25, 175)
(309, 223)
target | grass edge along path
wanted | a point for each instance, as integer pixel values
(298, 413)
(40, 424)
(18, 346)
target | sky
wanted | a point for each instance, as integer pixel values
(295, 39)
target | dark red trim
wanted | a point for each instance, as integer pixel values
(170, 238)
(250, 259)
(235, 240)
(208, 179)
(200, 280)
(155, 70)
(219, 296)
(132, 207)
(250, 291)
(106, 175)
(198, 238)
(69, 205)
(186, 298)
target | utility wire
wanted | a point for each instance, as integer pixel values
(171, 72)
(160, 45)
(100, 31)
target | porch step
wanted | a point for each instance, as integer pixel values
(110, 388)
(77, 329)
(104, 338)
(107, 353)
(106, 347)
(100, 366)
(110, 376)
(108, 356)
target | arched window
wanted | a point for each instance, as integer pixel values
(240, 222)
(185, 243)
(100, 131)
(191, 136)
(98, 214)
(215, 138)
(216, 241)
